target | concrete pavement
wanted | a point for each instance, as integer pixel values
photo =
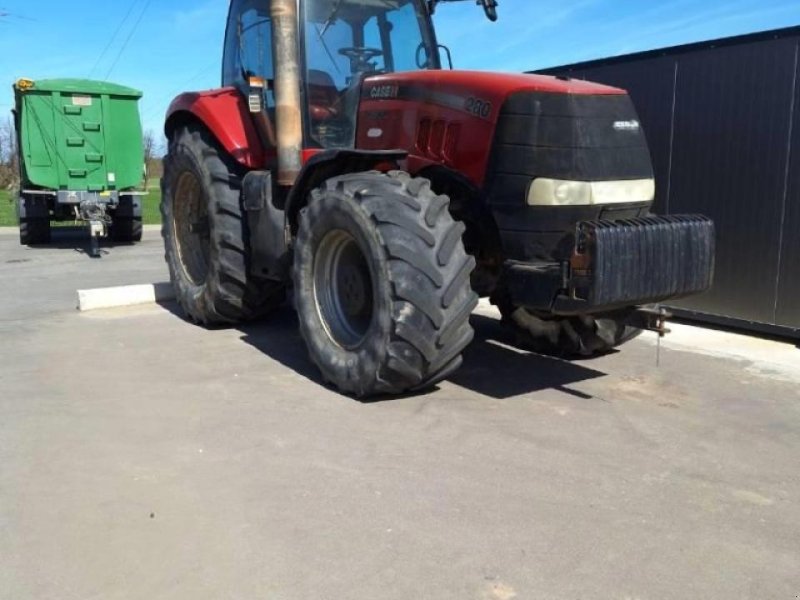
(143, 457)
(42, 280)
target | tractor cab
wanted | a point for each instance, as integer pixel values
(341, 42)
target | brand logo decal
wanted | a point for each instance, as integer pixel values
(381, 92)
(626, 125)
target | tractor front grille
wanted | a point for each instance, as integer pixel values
(565, 136)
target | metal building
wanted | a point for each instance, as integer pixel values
(723, 122)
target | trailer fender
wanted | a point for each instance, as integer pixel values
(225, 114)
(330, 163)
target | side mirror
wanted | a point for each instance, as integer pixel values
(447, 54)
(490, 8)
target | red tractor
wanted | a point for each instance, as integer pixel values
(340, 159)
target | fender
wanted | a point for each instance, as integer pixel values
(225, 114)
(330, 163)
(265, 227)
(272, 214)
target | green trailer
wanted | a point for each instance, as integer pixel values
(81, 158)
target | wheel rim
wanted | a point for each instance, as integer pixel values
(191, 226)
(343, 289)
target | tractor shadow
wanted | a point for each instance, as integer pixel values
(493, 365)
(279, 338)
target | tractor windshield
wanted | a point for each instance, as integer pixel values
(347, 40)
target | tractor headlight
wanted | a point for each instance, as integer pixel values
(559, 192)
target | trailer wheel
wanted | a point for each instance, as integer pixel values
(205, 234)
(580, 336)
(34, 221)
(382, 284)
(126, 222)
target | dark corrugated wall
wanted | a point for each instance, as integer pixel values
(788, 312)
(723, 123)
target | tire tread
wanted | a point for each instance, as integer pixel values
(231, 293)
(429, 272)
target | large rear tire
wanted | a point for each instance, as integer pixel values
(34, 221)
(567, 337)
(382, 284)
(205, 234)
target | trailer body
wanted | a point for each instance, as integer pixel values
(81, 156)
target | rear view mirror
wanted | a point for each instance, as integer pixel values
(490, 8)
(449, 56)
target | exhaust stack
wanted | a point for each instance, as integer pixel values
(287, 89)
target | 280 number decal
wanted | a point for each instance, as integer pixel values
(478, 107)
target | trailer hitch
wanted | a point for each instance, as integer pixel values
(94, 213)
(650, 318)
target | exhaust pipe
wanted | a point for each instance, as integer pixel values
(287, 89)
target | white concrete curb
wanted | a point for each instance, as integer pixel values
(127, 295)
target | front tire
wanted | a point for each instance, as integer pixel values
(567, 337)
(382, 284)
(205, 234)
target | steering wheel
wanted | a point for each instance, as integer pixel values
(360, 56)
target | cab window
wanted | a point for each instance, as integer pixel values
(347, 40)
(248, 46)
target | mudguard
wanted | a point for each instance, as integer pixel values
(224, 112)
(272, 216)
(322, 165)
(269, 245)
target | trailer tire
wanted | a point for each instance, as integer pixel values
(382, 284)
(205, 233)
(126, 229)
(566, 337)
(126, 222)
(34, 221)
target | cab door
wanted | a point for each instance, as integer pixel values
(248, 65)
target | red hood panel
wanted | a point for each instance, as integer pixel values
(500, 84)
(449, 117)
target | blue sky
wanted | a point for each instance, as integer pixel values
(177, 45)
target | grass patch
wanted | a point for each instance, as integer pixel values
(8, 212)
(151, 214)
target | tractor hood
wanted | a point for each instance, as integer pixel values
(478, 93)
(525, 126)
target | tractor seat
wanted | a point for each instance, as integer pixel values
(322, 96)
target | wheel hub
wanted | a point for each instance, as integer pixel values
(351, 285)
(343, 289)
(191, 226)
